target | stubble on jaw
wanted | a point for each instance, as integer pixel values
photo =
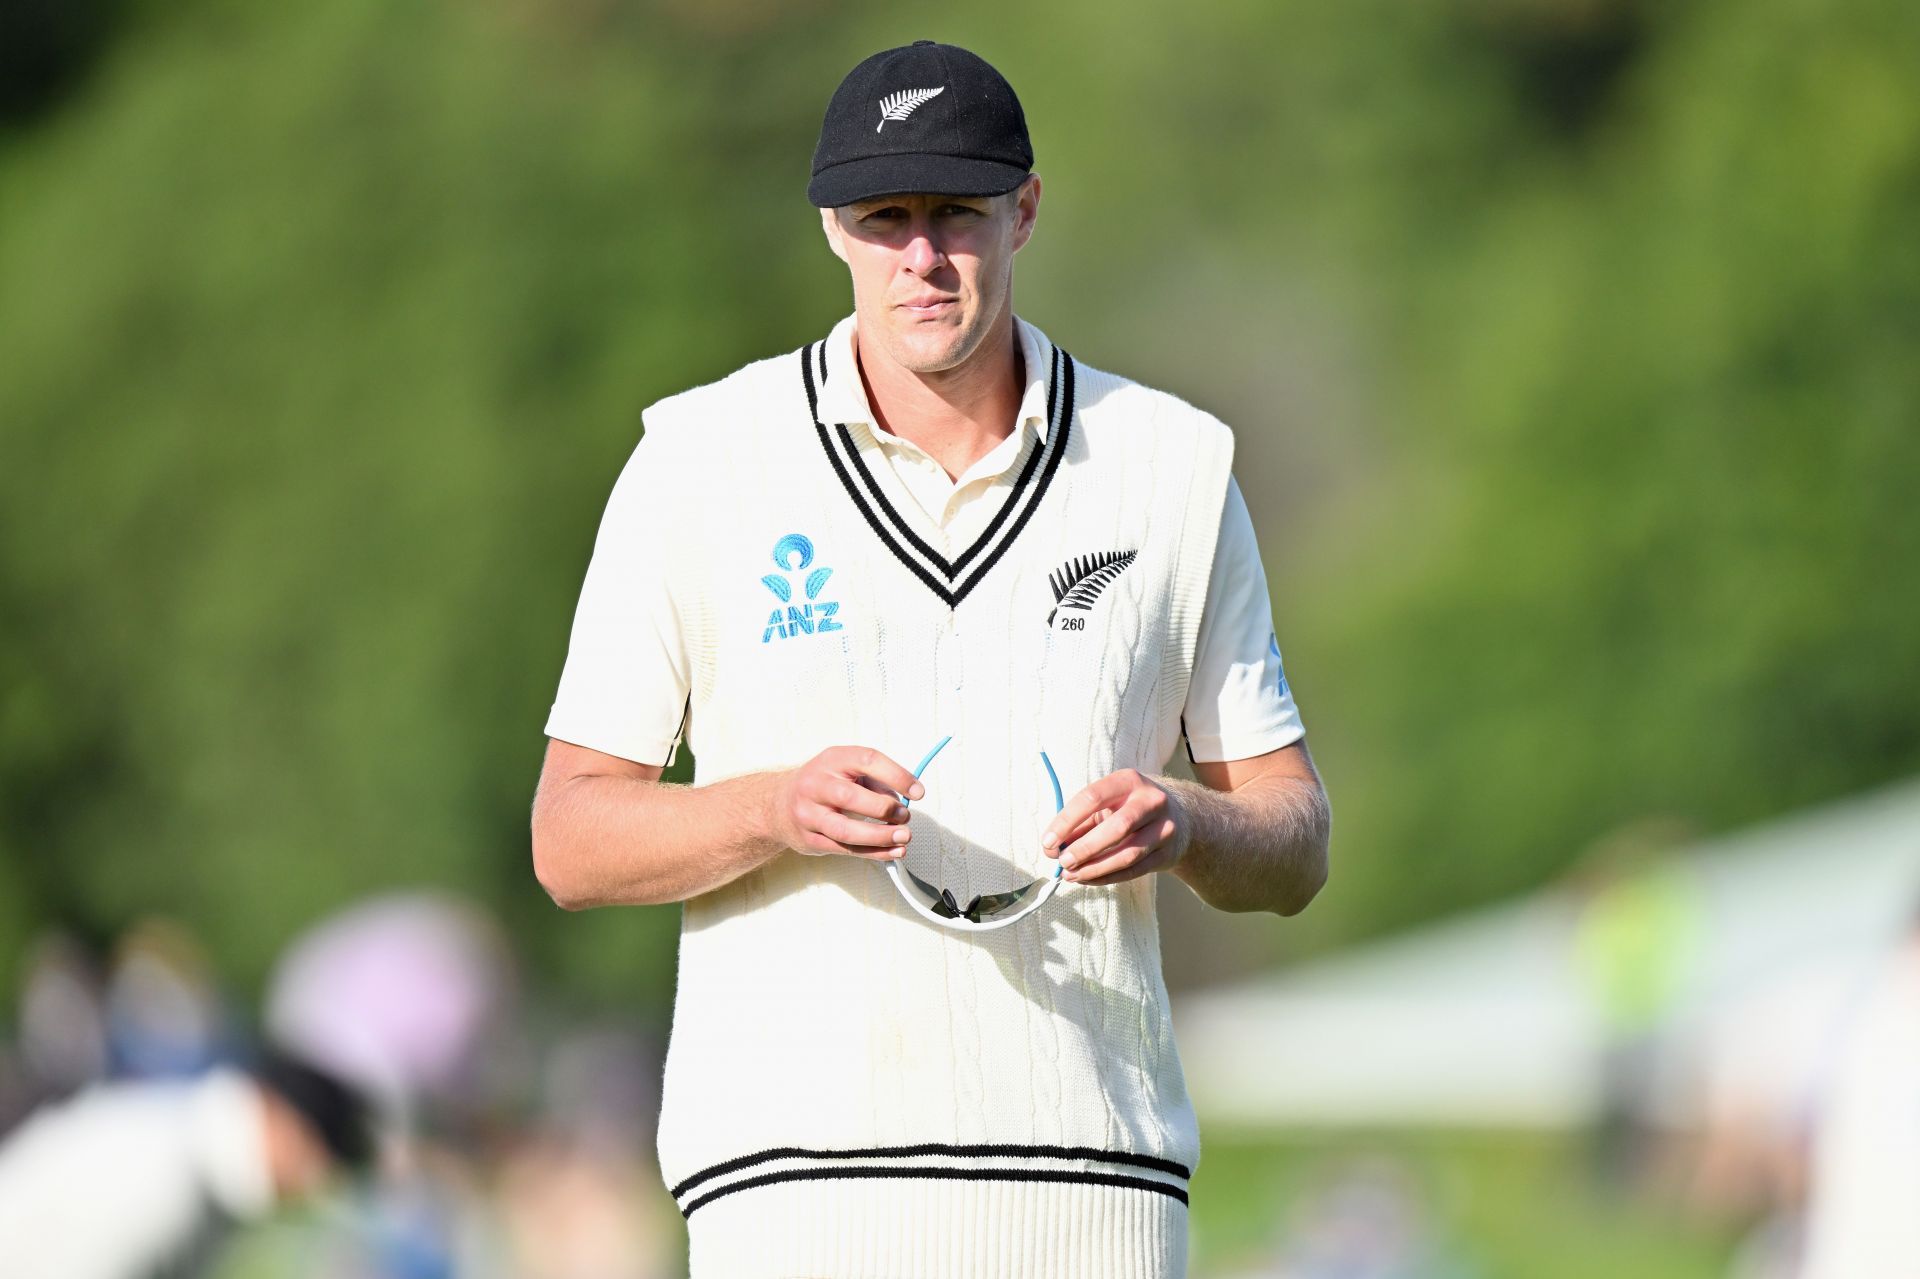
(931, 359)
(957, 347)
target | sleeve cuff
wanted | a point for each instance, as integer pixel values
(1208, 748)
(640, 748)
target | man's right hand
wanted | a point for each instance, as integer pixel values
(819, 807)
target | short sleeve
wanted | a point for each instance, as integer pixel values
(623, 690)
(1238, 702)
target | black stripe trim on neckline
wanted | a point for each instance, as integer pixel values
(937, 1173)
(1046, 478)
(846, 481)
(1053, 447)
(901, 527)
(1003, 1151)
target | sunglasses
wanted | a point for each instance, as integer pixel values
(986, 910)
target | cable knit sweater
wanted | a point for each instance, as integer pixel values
(851, 1090)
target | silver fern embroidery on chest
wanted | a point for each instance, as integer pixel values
(898, 106)
(809, 615)
(1078, 583)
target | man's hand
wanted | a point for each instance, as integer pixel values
(1120, 827)
(818, 807)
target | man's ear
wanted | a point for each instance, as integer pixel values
(1026, 210)
(830, 224)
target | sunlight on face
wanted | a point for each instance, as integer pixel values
(932, 274)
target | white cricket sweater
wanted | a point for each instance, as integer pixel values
(851, 1090)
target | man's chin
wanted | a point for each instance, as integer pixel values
(928, 348)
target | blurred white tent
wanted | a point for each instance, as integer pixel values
(1486, 1019)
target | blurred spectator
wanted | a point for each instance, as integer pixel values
(409, 996)
(1369, 1219)
(1863, 1213)
(1762, 1061)
(574, 1211)
(600, 1088)
(63, 1034)
(129, 1179)
(62, 1043)
(164, 1015)
(579, 1194)
(1636, 935)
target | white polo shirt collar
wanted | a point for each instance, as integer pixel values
(843, 399)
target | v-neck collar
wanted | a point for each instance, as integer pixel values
(948, 579)
(843, 400)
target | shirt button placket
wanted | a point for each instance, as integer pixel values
(946, 677)
(959, 664)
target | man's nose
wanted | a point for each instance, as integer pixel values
(922, 253)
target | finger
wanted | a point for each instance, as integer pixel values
(1107, 792)
(849, 830)
(1109, 871)
(1150, 838)
(864, 761)
(1087, 823)
(1121, 823)
(832, 786)
(859, 800)
(819, 845)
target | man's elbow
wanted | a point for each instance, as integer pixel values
(553, 865)
(1303, 853)
(1305, 886)
(550, 868)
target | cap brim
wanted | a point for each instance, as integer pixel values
(878, 175)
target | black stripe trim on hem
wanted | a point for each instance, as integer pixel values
(1054, 447)
(859, 1172)
(1092, 1153)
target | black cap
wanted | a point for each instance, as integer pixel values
(923, 117)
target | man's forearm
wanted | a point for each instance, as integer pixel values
(1260, 847)
(601, 840)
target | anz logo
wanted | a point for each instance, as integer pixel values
(793, 553)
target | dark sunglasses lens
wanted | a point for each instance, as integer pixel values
(994, 905)
(982, 908)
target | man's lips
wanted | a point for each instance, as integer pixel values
(926, 306)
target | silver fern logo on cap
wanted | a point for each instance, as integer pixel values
(898, 106)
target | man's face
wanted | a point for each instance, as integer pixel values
(932, 274)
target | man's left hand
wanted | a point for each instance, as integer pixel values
(1120, 827)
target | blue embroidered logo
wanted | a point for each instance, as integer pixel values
(1273, 646)
(791, 554)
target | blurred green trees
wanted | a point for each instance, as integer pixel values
(1568, 343)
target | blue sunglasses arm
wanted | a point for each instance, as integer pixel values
(1053, 779)
(1058, 803)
